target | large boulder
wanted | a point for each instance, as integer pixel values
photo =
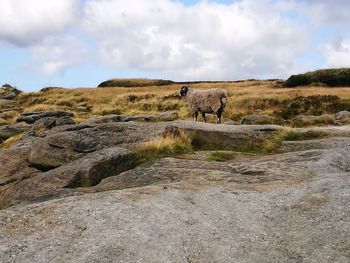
(67, 143)
(87, 171)
(225, 137)
(8, 131)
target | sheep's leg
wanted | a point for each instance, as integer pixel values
(195, 116)
(203, 115)
(218, 114)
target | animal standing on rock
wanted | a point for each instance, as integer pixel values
(205, 101)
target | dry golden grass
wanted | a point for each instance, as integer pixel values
(11, 141)
(163, 147)
(244, 98)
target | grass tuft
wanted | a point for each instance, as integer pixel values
(166, 146)
(222, 156)
(11, 141)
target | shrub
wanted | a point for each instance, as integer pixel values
(330, 77)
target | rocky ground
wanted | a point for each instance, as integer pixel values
(73, 193)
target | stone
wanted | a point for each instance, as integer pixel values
(9, 96)
(342, 118)
(342, 115)
(279, 208)
(232, 122)
(8, 131)
(305, 120)
(62, 145)
(45, 123)
(65, 120)
(222, 136)
(140, 117)
(31, 117)
(284, 207)
(168, 115)
(87, 171)
(8, 92)
(258, 119)
(106, 119)
(83, 108)
(122, 118)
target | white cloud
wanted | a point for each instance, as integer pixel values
(203, 41)
(55, 54)
(23, 22)
(337, 54)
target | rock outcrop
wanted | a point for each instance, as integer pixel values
(224, 137)
(287, 207)
(32, 117)
(73, 194)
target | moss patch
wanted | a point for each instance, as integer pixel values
(222, 156)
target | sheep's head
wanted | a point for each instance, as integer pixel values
(183, 91)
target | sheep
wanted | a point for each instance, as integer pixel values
(205, 101)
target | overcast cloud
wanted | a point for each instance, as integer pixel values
(206, 40)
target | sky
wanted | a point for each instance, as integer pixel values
(80, 43)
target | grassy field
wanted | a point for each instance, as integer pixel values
(245, 97)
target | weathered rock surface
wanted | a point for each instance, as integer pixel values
(50, 122)
(342, 118)
(31, 117)
(7, 92)
(307, 120)
(8, 131)
(168, 115)
(227, 137)
(122, 118)
(62, 145)
(258, 119)
(87, 171)
(290, 207)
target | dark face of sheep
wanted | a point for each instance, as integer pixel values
(183, 91)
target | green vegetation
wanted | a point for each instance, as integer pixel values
(314, 105)
(329, 77)
(222, 156)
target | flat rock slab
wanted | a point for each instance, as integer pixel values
(288, 168)
(223, 136)
(304, 223)
(326, 143)
(334, 131)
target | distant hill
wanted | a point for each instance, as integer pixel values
(140, 82)
(329, 77)
(134, 83)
